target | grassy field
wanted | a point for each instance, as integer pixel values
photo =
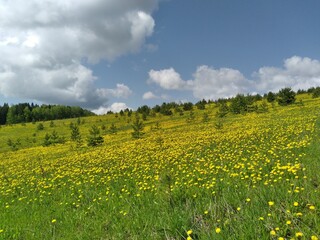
(253, 176)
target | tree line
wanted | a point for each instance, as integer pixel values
(25, 112)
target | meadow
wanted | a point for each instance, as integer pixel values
(252, 176)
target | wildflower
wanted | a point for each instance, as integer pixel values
(206, 212)
(273, 232)
(189, 238)
(218, 230)
(238, 208)
(261, 219)
(312, 207)
(248, 199)
(271, 203)
(314, 238)
(54, 220)
(299, 234)
(280, 238)
(189, 232)
(296, 204)
(288, 222)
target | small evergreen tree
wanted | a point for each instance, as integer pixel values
(75, 133)
(286, 96)
(137, 128)
(271, 97)
(95, 138)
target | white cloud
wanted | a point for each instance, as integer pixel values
(168, 79)
(210, 83)
(149, 95)
(297, 73)
(44, 44)
(115, 107)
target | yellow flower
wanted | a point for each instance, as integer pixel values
(271, 203)
(248, 199)
(238, 209)
(273, 232)
(261, 218)
(299, 234)
(218, 230)
(288, 222)
(54, 220)
(206, 212)
(296, 204)
(1, 230)
(312, 207)
(280, 238)
(314, 238)
(189, 232)
(189, 238)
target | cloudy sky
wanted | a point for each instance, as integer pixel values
(111, 54)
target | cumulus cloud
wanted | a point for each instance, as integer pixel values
(297, 73)
(168, 79)
(115, 107)
(44, 46)
(210, 83)
(149, 95)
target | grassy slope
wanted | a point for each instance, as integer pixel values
(179, 178)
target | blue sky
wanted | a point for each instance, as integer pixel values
(107, 55)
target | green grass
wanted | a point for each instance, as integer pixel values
(243, 179)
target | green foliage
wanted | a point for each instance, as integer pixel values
(52, 124)
(53, 138)
(188, 106)
(40, 127)
(205, 117)
(113, 128)
(191, 117)
(137, 127)
(286, 96)
(223, 110)
(14, 145)
(316, 92)
(239, 104)
(271, 97)
(75, 133)
(94, 139)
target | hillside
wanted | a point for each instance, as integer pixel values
(190, 176)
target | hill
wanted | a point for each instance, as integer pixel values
(194, 174)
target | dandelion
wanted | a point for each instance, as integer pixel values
(280, 238)
(189, 232)
(299, 234)
(273, 232)
(288, 222)
(314, 238)
(271, 203)
(296, 204)
(238, 208)
(248, 199)
(189, 238)
(54, 220)
(218, 230)
(312, 207)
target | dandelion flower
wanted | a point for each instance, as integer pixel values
(271, 203)
(218, 230)
(189, 232)
(273, 232)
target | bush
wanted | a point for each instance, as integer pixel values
(95, 138)
(286, 96)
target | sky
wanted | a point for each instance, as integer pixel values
(109, 54)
